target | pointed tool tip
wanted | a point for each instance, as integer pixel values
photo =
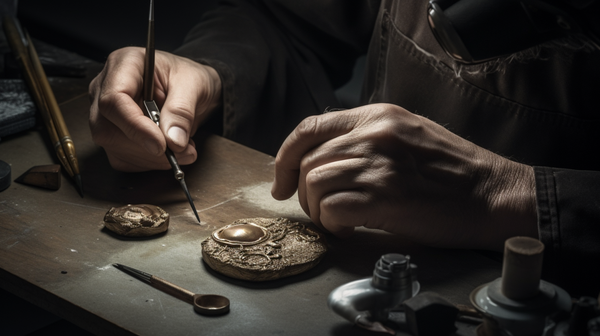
(79, 185)
(189, 197)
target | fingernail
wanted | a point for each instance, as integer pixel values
(178, 135)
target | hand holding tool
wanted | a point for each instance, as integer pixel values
(152, 109)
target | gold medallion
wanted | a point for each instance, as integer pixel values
(139, 220)
(261, 249)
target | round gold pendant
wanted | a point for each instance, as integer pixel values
(260, 249)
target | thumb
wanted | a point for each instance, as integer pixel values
(178, 116)
(193, 92)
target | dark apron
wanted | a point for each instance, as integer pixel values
(542, 112)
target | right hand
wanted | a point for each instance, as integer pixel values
(383, 167)
(186, 91)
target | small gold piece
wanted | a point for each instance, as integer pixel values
(241, 234)
(261, 249)
(47, 176)
(140, 220)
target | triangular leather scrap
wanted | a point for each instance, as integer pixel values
(47, 176)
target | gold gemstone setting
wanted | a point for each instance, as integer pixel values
(245, 234)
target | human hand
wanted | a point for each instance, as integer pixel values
(382, 167)
(185, 90)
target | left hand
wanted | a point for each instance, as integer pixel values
(382, 167)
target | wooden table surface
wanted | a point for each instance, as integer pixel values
(55, 253)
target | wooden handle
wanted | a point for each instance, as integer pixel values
(172, 289)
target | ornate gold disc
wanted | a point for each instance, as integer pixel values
(137, 220)
(260, 249)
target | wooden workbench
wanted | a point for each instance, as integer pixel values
(55, 253)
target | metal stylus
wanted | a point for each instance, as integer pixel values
(152, 109)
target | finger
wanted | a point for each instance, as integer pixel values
(192, 92)
(103, 131)
(310, 133)
(342, 211)
(337, 149)
(178, 112)
(120, 110)
(94, 87)
(130, 158)
(116, 99)
(337, 176)
(129, 163)
(125, 155)
(188, 155)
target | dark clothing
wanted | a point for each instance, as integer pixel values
(280, 61)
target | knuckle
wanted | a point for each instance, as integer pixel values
(182, 112)
(93, 87)
(110, 103)
(332, 205)
(133, 133)
(307, 127)
(315, 178)
(117, 55)
(105, 103)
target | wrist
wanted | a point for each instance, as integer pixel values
(209, 94)
(215, 88)
(512, 202)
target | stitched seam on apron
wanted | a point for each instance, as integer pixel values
(512, 108)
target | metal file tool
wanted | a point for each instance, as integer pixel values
(152, 109)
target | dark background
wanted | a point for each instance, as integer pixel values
(95, 28)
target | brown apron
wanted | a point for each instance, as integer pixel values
(542, 112)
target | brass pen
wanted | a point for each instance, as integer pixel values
(43, 97)
(152, 109)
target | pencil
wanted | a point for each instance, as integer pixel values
(44, 98)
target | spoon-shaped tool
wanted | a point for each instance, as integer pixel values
(203, 304)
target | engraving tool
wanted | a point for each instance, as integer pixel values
(152, 109)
